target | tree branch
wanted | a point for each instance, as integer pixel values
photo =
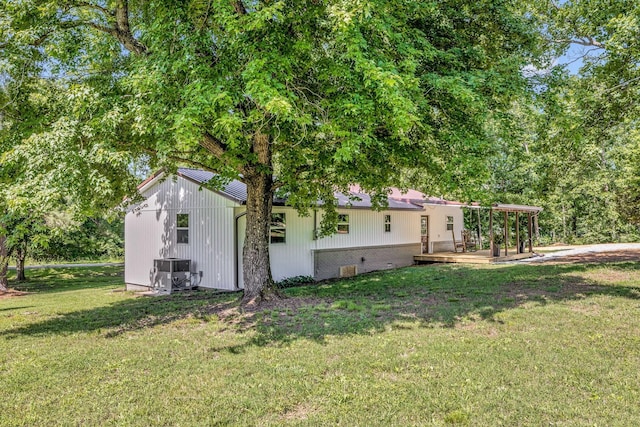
(623, 84)
(218, 149)
(97, 7)
(584, 41)
(213, 145)
(121, 29)
(124, 31)
(239, 7)
(187, 161)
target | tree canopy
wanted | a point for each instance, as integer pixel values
(301, 97)
(486, 100)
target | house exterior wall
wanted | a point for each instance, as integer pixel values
(327, 262)
(289, 259)
(150, 230)
(441, 239)
(217, 229)
(322, 258)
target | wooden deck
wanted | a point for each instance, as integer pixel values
(478, 257)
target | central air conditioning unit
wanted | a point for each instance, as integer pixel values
(172, 274)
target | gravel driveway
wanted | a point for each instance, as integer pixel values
(624, 251)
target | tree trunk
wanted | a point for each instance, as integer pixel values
(21, 255)
(4, 264)
(256, 265)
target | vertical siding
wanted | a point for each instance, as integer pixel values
(144, 241)
(293, 258)
(366, 229)
(438, 232)
(151, 233)
(242, 228)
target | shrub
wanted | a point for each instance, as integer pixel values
(291, 282)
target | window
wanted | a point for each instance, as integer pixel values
(278, 233)
(182, 227)
(449, 223)
(387, 223)
(343, 224)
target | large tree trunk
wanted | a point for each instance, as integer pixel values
(4, 264)
(258, 283)
(21, 256)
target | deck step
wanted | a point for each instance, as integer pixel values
(480, 257)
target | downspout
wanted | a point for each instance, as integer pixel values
(315, 239)
(236, 260)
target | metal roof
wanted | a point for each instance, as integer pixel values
(498, 207)
(357, 200)
(237, 191)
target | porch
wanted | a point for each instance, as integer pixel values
(498, 244)
(478, 257)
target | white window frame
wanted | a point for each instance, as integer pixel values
(387, 223)
(449, 222)
(180, 229)
(343, 224)
(278, 225)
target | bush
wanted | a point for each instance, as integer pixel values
(291, 282)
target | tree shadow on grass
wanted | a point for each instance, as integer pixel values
(432, 296)
(133, 314)
(15, 308)
(54, 280)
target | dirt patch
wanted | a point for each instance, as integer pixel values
(291, 303)
(519, 293)
(610, 275)
(299, 412)
(598, 257)
(11, 293)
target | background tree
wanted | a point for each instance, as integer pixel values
(49, 169)
(587, 140)
(574, 146)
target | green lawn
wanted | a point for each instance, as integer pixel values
(434, 345)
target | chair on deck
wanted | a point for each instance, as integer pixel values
(457, 243)
(467, 244)
(468, 241)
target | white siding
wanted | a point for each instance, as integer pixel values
(366, 228)
(150, 233)
(438, 223)
(293, 258)
(150, 230)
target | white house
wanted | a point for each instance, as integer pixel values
(180, 219)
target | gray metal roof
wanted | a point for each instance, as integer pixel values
(358, 200)
(237, 191)
(499, 207)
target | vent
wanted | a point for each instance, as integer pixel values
(348, 270)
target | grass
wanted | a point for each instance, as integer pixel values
(104, 260)
(434, 345)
